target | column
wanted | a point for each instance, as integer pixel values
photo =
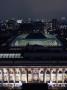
(20, 75)
(2, 76)
(44, 76)
(50, 74)
(14, 76)
(56, 75)
(38, 75)
(63, 76)
(8, 75)
(27, 74)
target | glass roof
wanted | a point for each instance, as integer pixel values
(35, 36)
(36, 39)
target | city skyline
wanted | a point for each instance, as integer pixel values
(33, 8)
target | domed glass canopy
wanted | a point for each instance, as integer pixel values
(36, 39)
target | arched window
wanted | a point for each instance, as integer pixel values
(54, 72)
(65, 72)
(29, 72)
(47, 72)
(42, 72)
(60, 72)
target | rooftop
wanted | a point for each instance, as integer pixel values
(36, 39)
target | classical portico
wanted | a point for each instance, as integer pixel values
(18, 75)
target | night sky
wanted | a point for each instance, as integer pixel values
(33, 8)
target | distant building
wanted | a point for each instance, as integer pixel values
(62, 32)
(19, 21)
(11, 25)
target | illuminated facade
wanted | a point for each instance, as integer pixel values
(16, 76)
(23, 64)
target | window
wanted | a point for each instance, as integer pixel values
(54, 72)
(60, 72)
(48, 72)
(42, 72)
(65, 72)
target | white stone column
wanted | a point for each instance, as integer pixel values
(27, 74)
(56, 75)
(63, 76)
(38, 74)
(20, 75)
(14, 76)
(50, 74)
(44, 76)
(8, 75)
(2, 76)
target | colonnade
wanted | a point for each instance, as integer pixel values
(33, 74)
